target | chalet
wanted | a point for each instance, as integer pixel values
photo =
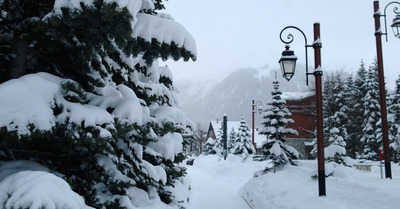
(302, 107)
(216, 126)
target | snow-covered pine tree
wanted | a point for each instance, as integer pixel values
(231, 139)
(353, 143)
(358, 112)
(336, 149)
(105, 54)
(241, 144)
(335, 116)
(371, 129)
(394, 123)
(274, 121)
(212, 147)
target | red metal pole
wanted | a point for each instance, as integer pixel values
(318, 101)
(380, 162)
(252, 126)
(382, 93)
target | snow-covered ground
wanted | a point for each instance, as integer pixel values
(226, 184)
(216, 182)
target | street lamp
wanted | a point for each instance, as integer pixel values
(259, 109)
(382, 94)
(289, 57)
(288, 63)
(396, 21)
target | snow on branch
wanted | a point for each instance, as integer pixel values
(163, 30)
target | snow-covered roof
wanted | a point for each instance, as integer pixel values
(296, 95)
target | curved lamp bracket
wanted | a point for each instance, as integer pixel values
(290, 39)
(396, 11)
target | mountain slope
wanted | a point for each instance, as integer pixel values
(203, 101)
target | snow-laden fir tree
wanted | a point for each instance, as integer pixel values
(274, 121)
(371, 129)
(353, 143)
(231, 138)
(335, 117)
(114, 130)
(241, 144)
(210, 147)
(336, 150)
(394, 123)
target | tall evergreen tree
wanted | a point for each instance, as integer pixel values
(335, 116)
(274, 121)
(359, 109)
(101, 50)
(371, 137)
(242, 141)
(353, 143)
(394, 122)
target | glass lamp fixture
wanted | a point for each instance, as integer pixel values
(288, 63)
(396, 25)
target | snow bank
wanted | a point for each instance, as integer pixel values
(293, 187)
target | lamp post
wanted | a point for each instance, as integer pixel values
(382, 94)
(253, 111)
(288, 64)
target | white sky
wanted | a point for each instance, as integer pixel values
(232, 34)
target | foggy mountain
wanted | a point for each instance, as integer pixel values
(203, 101)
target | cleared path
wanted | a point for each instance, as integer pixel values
(216, 185)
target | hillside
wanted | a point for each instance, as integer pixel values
(203, 100)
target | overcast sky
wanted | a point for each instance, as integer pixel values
(232, 34)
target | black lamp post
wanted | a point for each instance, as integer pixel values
(288, 63)
(382, 94)
(259, 109)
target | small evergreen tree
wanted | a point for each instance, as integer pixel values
(231, 139)
(336, 150)
(241, 144)
(274, 123)
(210, 147)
